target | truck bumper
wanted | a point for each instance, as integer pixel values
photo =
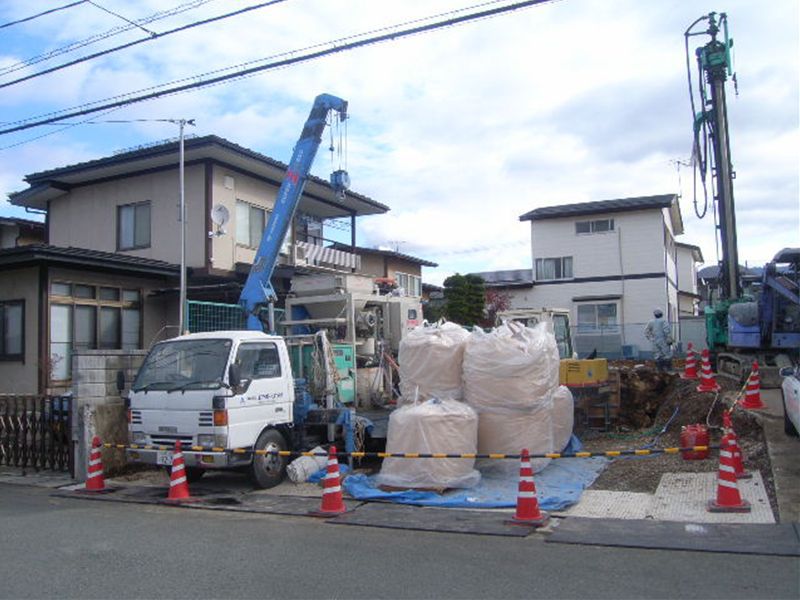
(203, 460)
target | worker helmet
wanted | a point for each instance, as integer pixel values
(657, 313)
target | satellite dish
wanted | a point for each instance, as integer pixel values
(220, 215)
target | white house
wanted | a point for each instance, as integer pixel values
(610, 262)
(689, 256)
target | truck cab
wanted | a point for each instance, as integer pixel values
(214, 392)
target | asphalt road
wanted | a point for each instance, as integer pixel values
(67, 548)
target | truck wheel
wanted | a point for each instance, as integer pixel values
(268, 470)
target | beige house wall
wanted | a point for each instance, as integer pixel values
(396, 265)
(372, 264)
(22, 377)
(86, 217)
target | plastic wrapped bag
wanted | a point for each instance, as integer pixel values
(434, 426)
(511, 368)
(563, 417)
(303, 467)
(508, 432)
(430, 360)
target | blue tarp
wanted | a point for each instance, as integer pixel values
(558, 486)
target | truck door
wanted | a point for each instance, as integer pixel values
(266, 398)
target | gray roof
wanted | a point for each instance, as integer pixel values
(600, 206)
(102, 261)
(48, 184)
(507, 278)
(711, 272)
(22, 222)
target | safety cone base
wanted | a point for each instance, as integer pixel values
(744, 507)
(541, 521)
(180, 500)
(744, 475)
(752, 405)
(327, 513)
(685, 376)
(106, 490)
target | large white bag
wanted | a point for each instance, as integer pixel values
(509, 432)
(430, 359)
(511, 368)
(563, 417)
(434, 426)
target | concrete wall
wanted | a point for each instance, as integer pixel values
(23, 377)
(98, 407)
(87, 216)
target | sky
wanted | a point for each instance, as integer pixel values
(460, 130)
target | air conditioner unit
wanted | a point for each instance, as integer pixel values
(299, 255)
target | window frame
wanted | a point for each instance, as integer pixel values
(250, 207)
(97, 304)
(539, 266)
(596, 328)
(135, 205)
(410, 278)
(260, 345)
(593, 226)
(4, 356)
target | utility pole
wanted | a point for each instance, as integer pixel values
(182, 309)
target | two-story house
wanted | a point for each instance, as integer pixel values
(107, 274)
(609, 262)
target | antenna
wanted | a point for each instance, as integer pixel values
(220, 217)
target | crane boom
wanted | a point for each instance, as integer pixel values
(258, 289)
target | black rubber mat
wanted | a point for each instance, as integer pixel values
(209, 499)
(395, 516)
(781, 540)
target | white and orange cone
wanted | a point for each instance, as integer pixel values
(733, 446)
(332, 500)
(690, 369)
(178, 486)
(728, 498)
(528, 512)
(95, 480)
(707, 381)
(752, 392)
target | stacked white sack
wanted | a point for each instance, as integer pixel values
(510, 376)
(434, 426)
(430, 359)
(563, 417)
(512, 368)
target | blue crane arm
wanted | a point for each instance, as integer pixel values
(257, 289)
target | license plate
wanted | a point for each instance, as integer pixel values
(164, 458)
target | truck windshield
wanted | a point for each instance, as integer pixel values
(180, 365)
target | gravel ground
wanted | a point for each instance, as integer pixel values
(643, 474)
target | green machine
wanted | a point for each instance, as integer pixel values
(344, 356)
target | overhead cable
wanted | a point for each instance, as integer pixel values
(98, 37)
(41, 14)
(334, 47)
(153, 36)
(119, 16)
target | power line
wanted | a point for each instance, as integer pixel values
(41, 14)
(93, 39)
(335, 48)
(119, 16)
(153, 36)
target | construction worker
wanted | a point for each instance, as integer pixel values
(659, 333)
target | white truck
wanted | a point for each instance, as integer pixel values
(219, 390)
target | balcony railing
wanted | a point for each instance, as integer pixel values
(306, 254)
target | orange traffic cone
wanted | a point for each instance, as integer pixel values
(528, 512)
(752, 392)
(95, 482)
(332, 501)
(690, 370)
(728, 497)
(178, 487)
(707, 381)
(733, 446)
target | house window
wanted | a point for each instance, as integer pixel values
(412, 284)
(12, 327)
(87, 317)
(250, 223)
(596, 226)
(554, 268)
(133, 226)
(597, 318)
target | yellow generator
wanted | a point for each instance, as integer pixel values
(581, 373)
